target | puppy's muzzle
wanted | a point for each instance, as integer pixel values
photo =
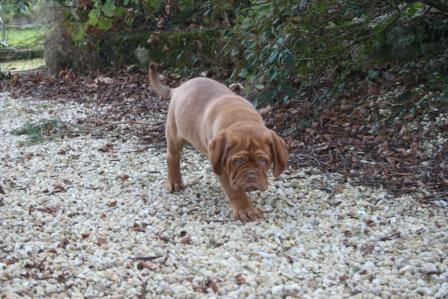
(251, 181)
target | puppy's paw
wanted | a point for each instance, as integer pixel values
(173, 186)
(247, 213)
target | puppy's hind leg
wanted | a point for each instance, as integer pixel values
(174, 151)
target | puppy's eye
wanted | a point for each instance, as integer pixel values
(239, 161)
(262, 161)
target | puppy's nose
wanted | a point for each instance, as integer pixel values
(252, 176)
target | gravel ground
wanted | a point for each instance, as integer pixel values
(88, 217)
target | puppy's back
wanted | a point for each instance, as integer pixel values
(202, 87)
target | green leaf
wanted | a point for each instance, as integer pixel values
(330, 25)
(93, 17)
(119, 11)
(244, 73)
(273, 56)
(77, 32)
(322, 8)
(109, 8)
(104, 24)
(373, 75)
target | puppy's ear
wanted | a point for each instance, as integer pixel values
(217, 152)
(279, 153)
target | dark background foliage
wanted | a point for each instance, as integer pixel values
(275, 47)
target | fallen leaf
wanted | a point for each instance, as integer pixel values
(392, 235)
(63, 244)
(62, 151)
(370, 223)
(48, 210)
(367, 249)
(123, 177)
(240, 279)
(106, 148)
(339, 189)
(112, 204)
(59, 188)
(186, 240)
(213, 285)
(101, 241)
(238, 88)
(67, 182)
(147, 265)
(11, 260)
(105, 80)
(138, 228)
(266, 109)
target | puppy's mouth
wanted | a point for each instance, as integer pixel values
(249, 183)
(253, 187)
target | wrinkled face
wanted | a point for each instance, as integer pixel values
(245, 155)
(247, 168)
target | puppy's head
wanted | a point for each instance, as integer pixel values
(244, 154)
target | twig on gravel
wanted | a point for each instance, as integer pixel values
(132, 122)
(167, 255)
(133, 151)
(218, 220)
(146, 258)
(183, 263)
(143, 162)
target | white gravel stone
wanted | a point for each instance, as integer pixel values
(78, 242)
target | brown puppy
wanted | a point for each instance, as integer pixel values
(226, 128)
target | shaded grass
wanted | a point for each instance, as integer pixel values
(38, 132)
(26, 37)
(22, 64)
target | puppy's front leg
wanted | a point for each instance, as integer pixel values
(239, 201)
(174, 179)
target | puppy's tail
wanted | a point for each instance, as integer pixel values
(162, 90)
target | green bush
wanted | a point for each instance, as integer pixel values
(279, 46)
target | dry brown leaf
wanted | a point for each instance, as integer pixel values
(123, 177)
(63, 244)
(101, 241)
(138, 228)
(339, 189)
(11, 260)
(112, 204)
(106, 148)
(212, 284)
(147, 265)
(240, 279)
(59, 188)
(186, 240)
(104, 80)
(266, 109)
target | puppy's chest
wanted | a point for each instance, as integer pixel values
(203, 149)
